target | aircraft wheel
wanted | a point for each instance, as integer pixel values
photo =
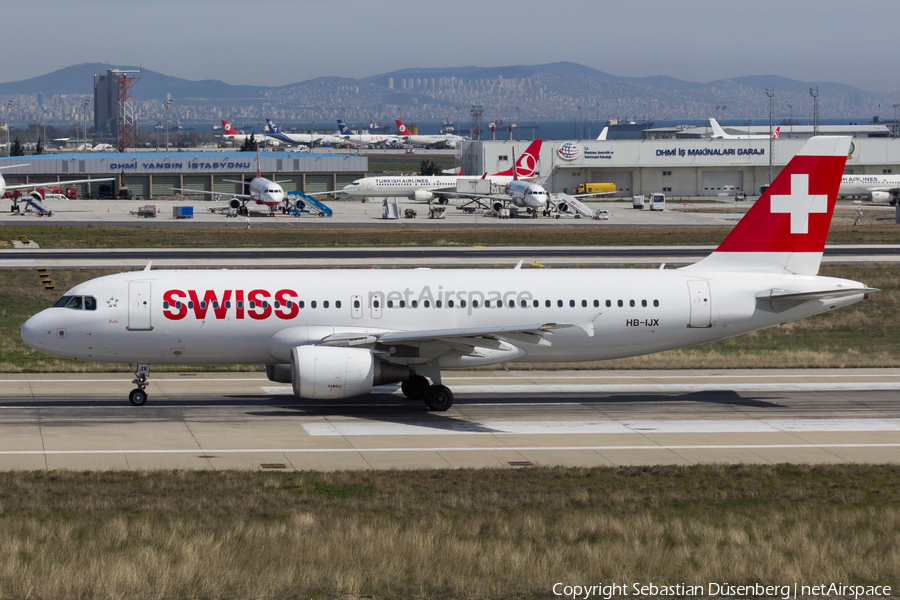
(137, 397)
(438, 398)
(557, 216)
(415, 387)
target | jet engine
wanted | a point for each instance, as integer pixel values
(497, 206)
(880, 196)
(235, 203)
(329, 372)
(422, 196)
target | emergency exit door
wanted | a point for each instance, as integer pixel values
(139, 306)
(701, 307)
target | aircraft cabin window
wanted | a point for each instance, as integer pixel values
(325, 304)
(571, 303)
(487, 303)
(608, 303)
(191, 304)
(584, 304)
(165, 305)
(355, 304)
(227, 304)
(426, 303)
(415, 303)
(312, 304)
(240, 304)
(547, 303)
(215, 304)
(524, 303)
(337, 303)
(202, 304)
(512, 303)
(462, 303)
(277, 304)
(403, 304)
(620, 303)
(290, 304)
(656, 303)
(438, 303)
(644, 303)
(559, 303)
(74, 303)
(62, 301)
(631, 303)
(474, 303)
(535, 303)
(301, 304)
(390, 304)
(596, 303)
(265, 304)
(252, 304)
(178, 305)
(450, 303)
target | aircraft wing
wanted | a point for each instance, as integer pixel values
(31, 186)
(241, 196)
(594, 194)
(437, 341)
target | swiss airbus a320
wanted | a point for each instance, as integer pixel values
(333, 334)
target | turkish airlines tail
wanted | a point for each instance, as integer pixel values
(785, 230)
(229, 130)
(401, 127)
(777, 133)
(527, 163)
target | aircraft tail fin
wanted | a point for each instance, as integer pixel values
(403, 129)
(273, 128)
(603, 134)
(785, 230)
(718, 132)
(227, 128)
(343, 128)
(526, 166)
(777, 133)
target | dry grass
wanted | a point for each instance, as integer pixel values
(460, 534)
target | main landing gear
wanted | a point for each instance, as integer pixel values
(437, 397)
(138, 397)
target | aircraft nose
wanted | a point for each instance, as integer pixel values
(35, 333)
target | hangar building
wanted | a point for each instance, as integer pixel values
(149, 174)
(676, 167)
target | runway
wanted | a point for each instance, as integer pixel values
(407, 256)
(517, 419)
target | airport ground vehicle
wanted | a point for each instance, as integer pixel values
(657, 202)
(602, 214)
(637, 202)
(596, 188)
(333, 333)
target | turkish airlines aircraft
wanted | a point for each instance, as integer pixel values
(877, 188)
(424, 188)
(235, 136)
(337, 333)
(444, 139)
(262, 191)
(34, 197)
(719, 133)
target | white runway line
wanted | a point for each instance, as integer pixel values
(214, 451)
(600, 427)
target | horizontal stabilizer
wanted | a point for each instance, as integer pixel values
(788, 295)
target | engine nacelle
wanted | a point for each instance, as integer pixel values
(235, 203)
(330, 372)
(880, 196)
(497, 206)
(422, 196)
(279, 373)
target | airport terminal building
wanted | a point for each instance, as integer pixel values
(677, 167)
(154, 174)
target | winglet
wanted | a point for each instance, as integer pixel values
(147, 268)
(519, 266)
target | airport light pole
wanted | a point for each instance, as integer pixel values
(580, 120)
(723, 115)
(84, 105)
(815, 94)
(533, 126)
(770, 92)
(897, 119)
(791, 108)
(517, 123)
(168, 103)
(8, 147)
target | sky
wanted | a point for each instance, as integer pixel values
(279, 42)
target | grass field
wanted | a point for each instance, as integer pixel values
(866, 334)
(448, 534)
(302, 236)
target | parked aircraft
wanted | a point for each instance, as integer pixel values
(33, 197)
(877, 188)
(239, 137)
(719, 133)
(337, 333)
(322, 139)
(262, 191)
(522, 194)
(446, 140)
(425, 188)
(365, 138)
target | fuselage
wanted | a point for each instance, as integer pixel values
(257, 316)
(267, 192)
(864, 185)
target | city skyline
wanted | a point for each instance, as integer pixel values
(698, 41)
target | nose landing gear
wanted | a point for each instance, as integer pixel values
(138, 397)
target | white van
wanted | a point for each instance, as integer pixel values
(657, 202)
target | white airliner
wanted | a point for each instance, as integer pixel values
(447, 140)
(522, 194)
(338, 333)
(877, 188)
(366, 138)
(424, 188)
(719, 133)
(33, 197)
(262, 191)
(308, 139)
(234, 136)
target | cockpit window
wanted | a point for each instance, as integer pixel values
(77, 302)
